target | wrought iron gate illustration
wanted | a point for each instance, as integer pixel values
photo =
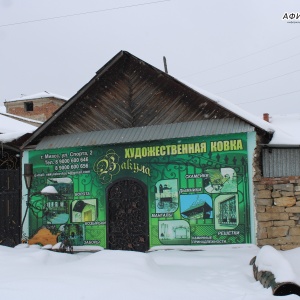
(10, 205)
(127, 216)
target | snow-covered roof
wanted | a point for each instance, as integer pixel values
(11, 129)
(22, 118)
(284, 128)
(279, 135)
(44, 94)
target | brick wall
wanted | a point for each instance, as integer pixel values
(42, 108)
(278, 212)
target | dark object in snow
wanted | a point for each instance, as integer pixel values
(267, 279)
(66, 244)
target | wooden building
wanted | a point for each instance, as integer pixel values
(132, 152)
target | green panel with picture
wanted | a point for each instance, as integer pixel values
(197, 190)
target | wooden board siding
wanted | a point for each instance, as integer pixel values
(127, 93)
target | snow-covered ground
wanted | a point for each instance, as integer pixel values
(216, 273)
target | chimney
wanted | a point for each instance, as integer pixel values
(266, 117)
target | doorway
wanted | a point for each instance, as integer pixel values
(127, 215)
(10, 207)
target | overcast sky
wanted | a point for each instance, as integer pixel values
(240, 50)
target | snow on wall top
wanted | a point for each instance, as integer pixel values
(38, 96)
(289, 125)
(22, 118)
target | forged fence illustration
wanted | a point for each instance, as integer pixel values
(10, 202)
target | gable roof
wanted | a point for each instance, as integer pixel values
(128, 92)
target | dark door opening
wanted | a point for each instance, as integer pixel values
(10, 207)
(127, 216)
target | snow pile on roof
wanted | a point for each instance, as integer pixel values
(11, 129)
(233, 108)
(284, 131)
(8, 125)
(38, 96)
(289, 125)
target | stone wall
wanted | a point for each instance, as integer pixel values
(278, 212)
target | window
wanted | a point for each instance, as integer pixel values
(28, 106)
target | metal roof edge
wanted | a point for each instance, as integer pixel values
(287, 146)
(146, 133)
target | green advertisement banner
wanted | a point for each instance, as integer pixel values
(197, 191)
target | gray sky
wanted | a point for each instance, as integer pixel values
(240, 50)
